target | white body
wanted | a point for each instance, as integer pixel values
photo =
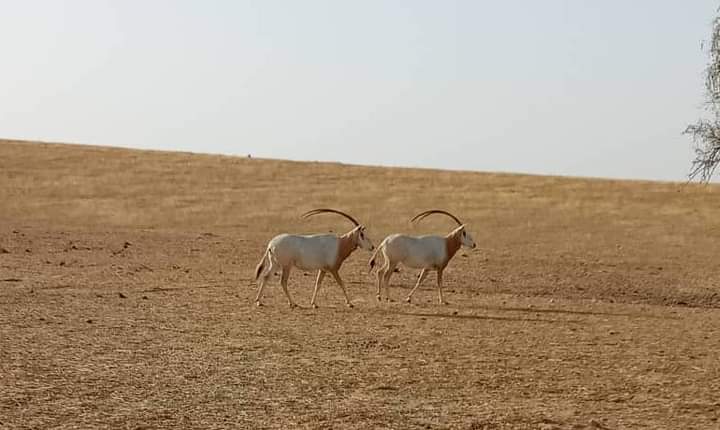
(306, 252)
(322, 252)
(417, 252)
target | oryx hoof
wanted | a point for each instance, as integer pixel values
(258, 304)
(313, 305)
(293, 305)
(379, 299)
(350, 305)
(407, 299)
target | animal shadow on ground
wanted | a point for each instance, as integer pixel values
(573, 312)
(456, 315)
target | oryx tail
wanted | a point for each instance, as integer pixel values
(261, 265)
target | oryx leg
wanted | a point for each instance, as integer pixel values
(340, 282)
(422, 276)
(318, 281)
(283, 281)
(263, 279)
(439, 283)
(380, 275)
(386, 278)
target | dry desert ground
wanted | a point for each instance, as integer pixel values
(126, 298)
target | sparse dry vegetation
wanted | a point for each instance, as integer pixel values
(126, 299)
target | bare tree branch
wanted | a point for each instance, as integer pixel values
(706, 133)
(706, 136)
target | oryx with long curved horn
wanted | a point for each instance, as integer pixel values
(322, 252)
(420, 252)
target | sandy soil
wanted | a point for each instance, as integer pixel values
(126, 299)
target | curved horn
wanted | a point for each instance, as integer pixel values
(325, 210)
(422, 215)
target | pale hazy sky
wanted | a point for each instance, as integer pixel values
(571, 87)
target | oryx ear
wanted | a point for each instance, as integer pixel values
(458, 230)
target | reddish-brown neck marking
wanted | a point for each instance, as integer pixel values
(347, 243)
(453, 241)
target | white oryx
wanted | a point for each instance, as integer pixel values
(420, 252)
(322, 252)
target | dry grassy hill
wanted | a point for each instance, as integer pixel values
(126, 298)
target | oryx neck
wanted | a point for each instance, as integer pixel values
(346, 245)
(453, 241)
